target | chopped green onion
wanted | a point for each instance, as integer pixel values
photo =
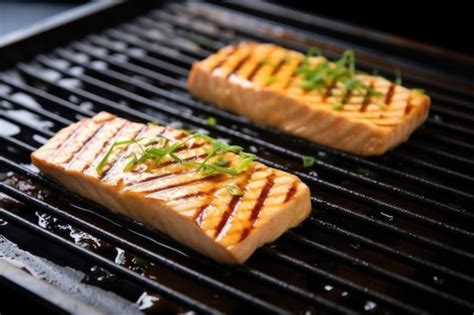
(326, 74)
(313, 51)
(131, 164)
(271, 79)
(308, 161)
(155, 151)
(140, 262)
(398, 77)
(421, 91)
(245, 160)
(211, 121)
(336, 106)
(363, 171)
(100, 166)
(234, 190)
(221, 161)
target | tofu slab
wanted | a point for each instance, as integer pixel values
(259, 81)
(196, 210)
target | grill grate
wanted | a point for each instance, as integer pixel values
(390, 234)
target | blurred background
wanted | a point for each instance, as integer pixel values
(446, 24)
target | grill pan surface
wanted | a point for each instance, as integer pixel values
(388, 235)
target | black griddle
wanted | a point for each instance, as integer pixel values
(388, 235)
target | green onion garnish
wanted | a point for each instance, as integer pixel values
(308, 161)
(398, 77)
(336, 106)
(140, 262)
(421, 91)
(271, 79)
(154, 123)
(211, 121)
(100, 166)
(363, 171)
(156, 151)
(326, 74)
(234, 190)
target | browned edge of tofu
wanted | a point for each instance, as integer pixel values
(273, 219)
(236, 79)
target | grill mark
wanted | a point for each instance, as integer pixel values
(226, 216)
(220, 63)
(199, 215)
(151, 178)
(258, 206)
(258, 66)
(278, 67)
(106, 144)
(244, 234)
(66, 141)
(254, 71)
(239, 65)
(168, 163)
(328, 92)
(388, 97)
(292, 77)
(104, 174)
(84, 146)
(291, 192)
(232, 206)
(408, 109)
(190, 182)
(347, 97)
(181, 136)
(367, 98)
(188, 196)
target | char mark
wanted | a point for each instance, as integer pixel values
(66, 141)
(122, 155)
(292, 77)
(220, 63)
(106, 144)
(367, 98)
(388, 97)
(84, 146)
(291, 192)
(232, 206)
(188, 183)
(259, 205)
(239, 65)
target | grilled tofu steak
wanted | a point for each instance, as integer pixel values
(365, 115)
(205, 194)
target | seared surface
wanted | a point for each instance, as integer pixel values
(259, 81)
(195, 209)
